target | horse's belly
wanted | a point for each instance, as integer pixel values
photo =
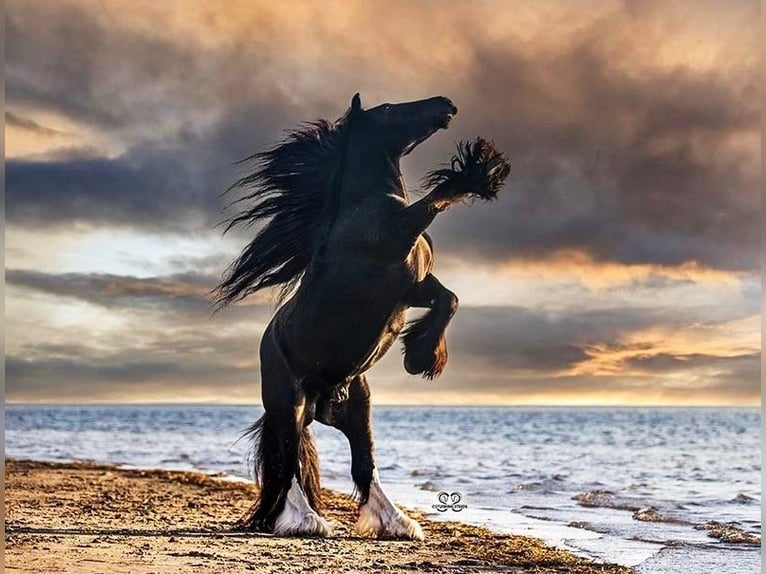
(340, 326)
(342, 346)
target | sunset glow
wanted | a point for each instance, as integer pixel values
(620, 265)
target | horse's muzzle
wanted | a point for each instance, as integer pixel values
(444, 120)
(446, 117)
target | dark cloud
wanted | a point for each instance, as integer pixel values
(17, 121)
(160, 353)
(628, 161)
(729, 380)
(68, 58)
(735, 377)
(494, 339)
(90, 378)
(180, 291)
(152, 191)
(180, 297)
(184, 114)
(507, 339)
(177, 347)
(168, 344)
(633, 167)
(736, 365)
(515, 351)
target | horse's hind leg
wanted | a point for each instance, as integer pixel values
(378, 516)
(425, 348)
(286, 464)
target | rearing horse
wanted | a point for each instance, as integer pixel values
(351, 255)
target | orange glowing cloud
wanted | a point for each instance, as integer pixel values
(605, 274)
(725, 340)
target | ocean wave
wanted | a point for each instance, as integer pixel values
(641, 511)
(744, 499)
(606, 499)
(546, 485)
(429, 486)
(651, 514)
(730, 532)
(181, 458)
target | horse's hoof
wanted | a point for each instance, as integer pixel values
(308, 524)
(395, 526)
(427, 361)
(249, 525)
(298, 518)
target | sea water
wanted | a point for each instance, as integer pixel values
(625, 485)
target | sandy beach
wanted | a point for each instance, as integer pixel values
(83, 517)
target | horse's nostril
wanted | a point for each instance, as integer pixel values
(448, 102)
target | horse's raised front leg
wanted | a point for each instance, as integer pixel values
(477, 170)
(425, 348)
(378, 516)
(414, 219)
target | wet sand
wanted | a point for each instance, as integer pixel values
(83, 517)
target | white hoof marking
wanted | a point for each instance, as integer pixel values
(379, 517)
(298, 518)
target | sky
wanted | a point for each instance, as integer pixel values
(620, 266)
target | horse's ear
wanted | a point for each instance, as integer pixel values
(356, 103)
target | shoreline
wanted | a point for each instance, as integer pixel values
(90, 517)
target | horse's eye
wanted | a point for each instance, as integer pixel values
(387, 108)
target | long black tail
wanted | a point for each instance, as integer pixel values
(310, 470)
(278, 454)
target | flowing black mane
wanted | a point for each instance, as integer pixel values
(291, 186)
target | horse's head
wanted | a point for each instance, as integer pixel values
(399, 128)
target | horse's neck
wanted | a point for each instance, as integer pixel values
(368, 172)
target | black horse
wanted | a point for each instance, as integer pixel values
(351, 256)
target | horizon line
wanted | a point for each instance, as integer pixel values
(405, 405)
